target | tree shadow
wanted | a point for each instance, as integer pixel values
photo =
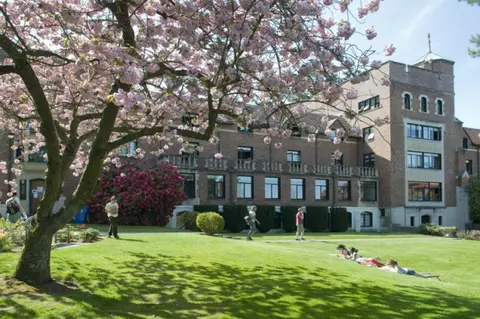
(177, 287)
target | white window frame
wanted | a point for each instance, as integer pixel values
(420, 103)
(411, 101)
(443, 106)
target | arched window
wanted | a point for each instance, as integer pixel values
(407, 101)
(366, 219)
(424, 104)
(439, 106)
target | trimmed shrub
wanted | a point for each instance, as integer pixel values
(435, 230)
(338, 219)
(317, 218)
(205, 208)
(210, 223)
(288, 218)
(234, 216)
(188, 220)
(469, 234)
(266, 217)
(89, 235)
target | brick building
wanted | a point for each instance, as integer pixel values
(409, 171)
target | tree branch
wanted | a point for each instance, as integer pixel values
(7, 69)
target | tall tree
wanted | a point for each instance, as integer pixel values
(87, 77)
(475, 39)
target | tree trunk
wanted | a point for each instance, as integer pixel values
(34, 264)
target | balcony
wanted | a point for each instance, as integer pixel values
(369, 172)
(297, 168)
(272, 167)
(216, 164)
(245, 165)
(181, 161)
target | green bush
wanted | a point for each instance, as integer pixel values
(210, 222)
(89, 235)
(288, 218)
(188, 220)
(435, 230)
(339, 219)
(234, 216)
(205, 208)
(266, 217)
(474, 198)
(469, 234)
(11, 234)
(317, 218)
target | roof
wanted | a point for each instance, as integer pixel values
(473, 135)
(430, 56)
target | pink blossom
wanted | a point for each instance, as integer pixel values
(389, 50)
(311, 138)
(218, 156)
(328, 132)
(278, 145)
(267, 140)
(337, 140)
(352, 94)
(385, 81)
(370, 33)
(376, 64)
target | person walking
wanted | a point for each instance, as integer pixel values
(112, 212)
(299, 223)
(15, 209)
(251, 220)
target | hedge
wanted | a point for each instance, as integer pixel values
(205, 208)
(234, 216)
(210, 222)
(317, 218)
(288, 218)
(266, 217)
(338, 219)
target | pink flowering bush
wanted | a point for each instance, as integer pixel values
(145, 196)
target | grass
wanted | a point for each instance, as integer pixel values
(195, 276)
(137, 229)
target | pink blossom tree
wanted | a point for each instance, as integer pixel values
(82, 78)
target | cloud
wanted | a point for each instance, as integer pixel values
(420, 18)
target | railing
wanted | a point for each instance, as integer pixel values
(367, 172)
(216, 164)
(245, 165)
(37, 157)
(343, 170)
(181, 161)
(297, 168)
(272, 167)
(322, 169)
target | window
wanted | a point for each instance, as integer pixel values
(407, 101)
(343, 190)
(321, 189)
(245, 153)
(293, 156)
(127, 150)
(337, 161)
(370, 104)
(469, 166)
(440, 220)
(368, 133)
(295, 130)
(465, 143)
(244, 187)
(412, 221)
(424, 191)
(424, 132)
(368, 191)
(38, 156)
(369, 160)
(190, 119)
(424, 104)
(216, 186)
(382, 212)
(424, 160)
(366, 219)
(350, 219)
(297, 188)
(272, 187)
(439, 104)
(189, 185)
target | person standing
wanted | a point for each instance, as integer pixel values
(112, 212)
(251, 220)
(15, 209)
(299, 223)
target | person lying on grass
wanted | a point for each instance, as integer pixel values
(343, 252)
(392, 265)
(369, 262)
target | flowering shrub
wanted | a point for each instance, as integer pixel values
(11, 234)
(145, 196)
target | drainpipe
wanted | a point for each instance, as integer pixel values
(478, 161)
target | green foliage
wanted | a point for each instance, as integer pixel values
(317, 218)
(475, 39)
(288, 218)
(435, 230)
(210, 222)
(11, 234)
(205, 208)
(234, 216)
(474, 200)
(469, 234)
(188, 220)
(338, 219)
(89, 235)
(266, 217)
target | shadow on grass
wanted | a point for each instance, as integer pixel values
(174, 287)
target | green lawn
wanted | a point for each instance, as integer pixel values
(195, 276)
(137, 229)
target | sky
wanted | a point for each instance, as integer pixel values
(406, 24)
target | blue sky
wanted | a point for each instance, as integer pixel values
(406, 23)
